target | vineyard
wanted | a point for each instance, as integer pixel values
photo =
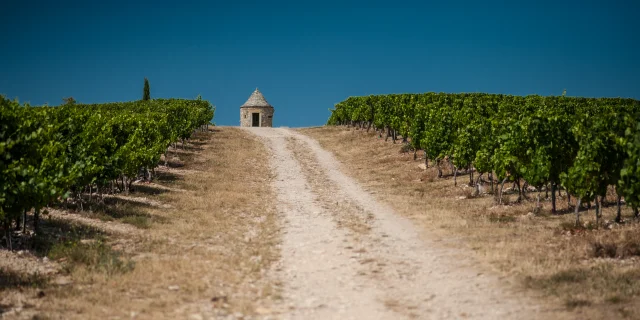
(54, 155)
(581, 145)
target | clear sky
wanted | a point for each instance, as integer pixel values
(306, 56)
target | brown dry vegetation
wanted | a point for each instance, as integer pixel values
(593, 271)
(195, 243)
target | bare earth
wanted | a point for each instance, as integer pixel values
(345, 255)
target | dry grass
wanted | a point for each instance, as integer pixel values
(592, 271)
(209, 255)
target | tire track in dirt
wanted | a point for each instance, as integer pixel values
(394, 272)
(320, 279)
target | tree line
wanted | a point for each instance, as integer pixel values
(582, 145)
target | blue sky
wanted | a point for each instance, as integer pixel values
(307, 56)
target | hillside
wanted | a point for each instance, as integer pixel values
(316, 223)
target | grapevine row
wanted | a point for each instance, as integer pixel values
(50, 154)
(583, 145)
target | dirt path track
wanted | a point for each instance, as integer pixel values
(385, 271)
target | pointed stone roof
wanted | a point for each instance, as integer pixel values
(256, 100)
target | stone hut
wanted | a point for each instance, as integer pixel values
(256, 112)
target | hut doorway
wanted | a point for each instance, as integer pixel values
(255, 119)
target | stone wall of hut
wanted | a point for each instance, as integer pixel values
(266, 116)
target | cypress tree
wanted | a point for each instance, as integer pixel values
(146, 94)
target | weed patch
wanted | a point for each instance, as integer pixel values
(495, 218)
(142, 222)
(95, 255)
(11, 279)
(576, 303)
(625, 245)
(604, 284)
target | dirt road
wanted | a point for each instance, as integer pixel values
(347, 256)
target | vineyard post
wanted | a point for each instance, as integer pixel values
(502, 189)
(577, 211)
(546, 191)
(7, 232)
(559, 191)
(24, 221)
(18, 222)
(455, 176)
(491, 180)
(553, 197)
(598, 210)
(477, 185)
(618, 209)
(79, 195)
(36, 220)
(519, 190)
(426, 159)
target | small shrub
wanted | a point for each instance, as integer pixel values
(572, 228)
(615, 299)
(429, 176)
(575, 303)
(142, 222)
(12, 279)
(569, 276)
(501, 218)
(94, 255)
(100, 216)
(604, 250)
(625, 247)
(470, 193)
(591, 225)
(406, 147)
(630, 250)
(505, 198)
